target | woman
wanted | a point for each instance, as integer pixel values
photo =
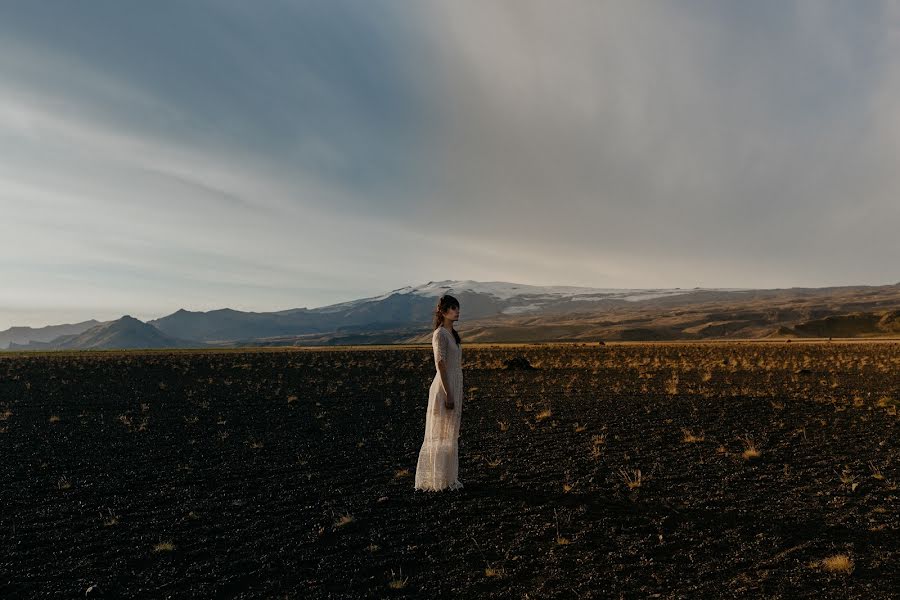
(438, 464)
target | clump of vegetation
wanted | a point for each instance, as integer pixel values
(690, 438)
(876, 472)
(397, 582)
(166, 546)
(632, 478)
(838, 563)
(750, 450)
(672, 384)
(848, 478)
(343, 520)
(560, 539)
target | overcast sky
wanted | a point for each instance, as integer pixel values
(278, 154)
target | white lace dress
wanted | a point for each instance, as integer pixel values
(438, 464)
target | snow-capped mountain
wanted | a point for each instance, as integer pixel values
(408, 308)
(522, 298)
(502, 311)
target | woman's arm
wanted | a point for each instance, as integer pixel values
(439, 345)
(442, 368)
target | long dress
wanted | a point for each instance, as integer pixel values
(438, 464)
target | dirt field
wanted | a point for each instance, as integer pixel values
(290, 474)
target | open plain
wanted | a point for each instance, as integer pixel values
(632, 470)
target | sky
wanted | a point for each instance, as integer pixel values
(279, 154)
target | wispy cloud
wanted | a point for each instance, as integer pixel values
(267, 156)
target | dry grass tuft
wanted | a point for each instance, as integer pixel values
(54, 418)
(401, 473)
(848, 478)
(672, 384)
(166, 546)
(543, 414)
(343, 520)
(838, 563)
(632, 478)
(397, 583)
(503, 425)
(876, 472)
(750, 451)
(690, 438)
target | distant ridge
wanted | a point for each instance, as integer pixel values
(23, 335)
(499, 311)
(124, 333)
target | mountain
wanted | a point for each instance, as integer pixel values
(23, 335)
(851, 312)
(124, 333)
(499, 311)
(403, 311)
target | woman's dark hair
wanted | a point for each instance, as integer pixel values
(445, 302)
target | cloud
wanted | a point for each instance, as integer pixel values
(270, 156)
(200, 156)
(682, 133)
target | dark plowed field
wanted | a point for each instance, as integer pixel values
(617, 471)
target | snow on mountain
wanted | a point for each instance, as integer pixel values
(535, 295)
(501, 290)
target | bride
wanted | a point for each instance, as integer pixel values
(438, 463)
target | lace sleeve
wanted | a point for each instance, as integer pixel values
(439, 345)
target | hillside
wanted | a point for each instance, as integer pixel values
(508, 312)
(24, 335)
(124, 333)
